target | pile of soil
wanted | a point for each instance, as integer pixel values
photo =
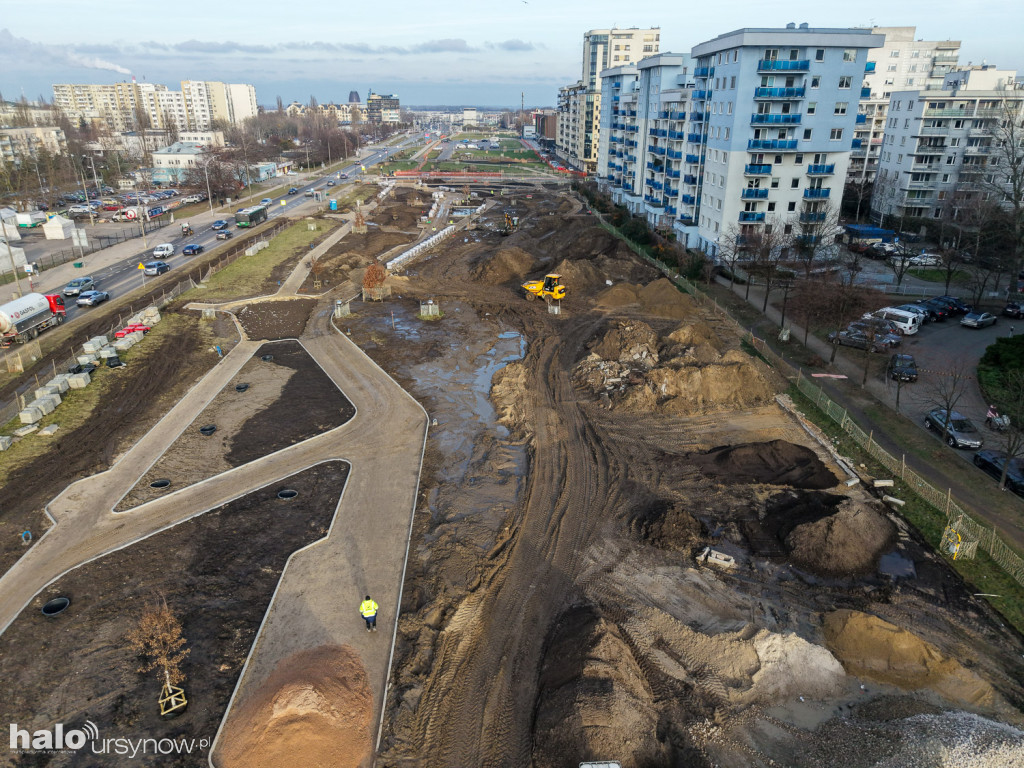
(275, 319)
(217, 573)
(660, 298)
(667, 526)
(873, 648)
(314, 710)
(632, 342)
(289, 399)
(845, 543)
(579, 276)
(506, 264)
(695, 342)
(776, 462)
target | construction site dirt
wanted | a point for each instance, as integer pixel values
(216, 572)
(554, 610)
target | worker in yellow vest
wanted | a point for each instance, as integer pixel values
(368, 610)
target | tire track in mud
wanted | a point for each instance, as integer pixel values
(477, 706)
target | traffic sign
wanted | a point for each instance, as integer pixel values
(140, 266)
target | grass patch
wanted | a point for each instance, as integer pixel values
(246, 275)
(982, 573)
(939, 276)
(400, 165)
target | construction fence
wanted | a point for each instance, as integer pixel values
(973, 533)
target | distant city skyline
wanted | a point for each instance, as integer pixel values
(461, 53)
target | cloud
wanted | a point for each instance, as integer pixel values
(513, 45)
(198, 46)
(454, 45)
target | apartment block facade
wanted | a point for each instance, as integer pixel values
(580, 103)
(383, 109)
(944, 147)
(902, 63)
(21, 145)
(753, 129)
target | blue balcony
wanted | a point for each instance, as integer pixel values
(757, 170)
(631, 158)
(671, 192)
(751, 216)
(653, 200)
(869, 66)
(700, 95)
(861, 119)
(773, 65)
(632, 129)
(675, 154)
(663, 115)
(687, 220)
(676, 135)
(775, 119)
(694, 137)
(662, 133)
(821, 170)
(676, 115)
(774, 144)
(856, 144)
(631, 142)
(689, 178)
(615, 98)
(778, 93)
(865, 93)
(754, 194)
(812, 218)
(689, 199)
(652, 167)
(693, 158)
(652, 131)
(816, 194)
(697, 117)
(616, 85)
(673, 174)
(614, 139)
(631, 113)
(657, 150)
(671, 210)
(654, 184)
(703, 71)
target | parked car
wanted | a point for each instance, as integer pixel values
(224, 234)
(266, 201)
(918, 309)
(957, 306)
(131, 329)
(858, 340)
(956, 429)
(890, 340)
(193, 249)
(1013, 309)
(163, 250)
(156, 267)
(218, 225)
(308, 193)
(880, 325)
(977, 320)
(78, 285)
(91, 298)
(938, 310)
(992, 462)
(924, 260)
(293, 191)
(902, 368)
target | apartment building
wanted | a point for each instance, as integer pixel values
(172, 164)
(944, 147)
(19, 145)
(580, 103)
(383, 109)
(14, 114)
(753, 129)
(346, 112)
(132, 105)
(901, 63)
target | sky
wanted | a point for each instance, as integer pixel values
(485, 54)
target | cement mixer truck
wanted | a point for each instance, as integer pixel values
(23, 319)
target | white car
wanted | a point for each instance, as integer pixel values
(924, 260)
(163, 250)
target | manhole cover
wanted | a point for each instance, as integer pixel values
(267, 358)
(241, 387)
(55, 606)
(208, 430)
(287, 493)
(161, 483)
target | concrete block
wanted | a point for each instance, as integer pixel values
(893, 501)
(79, 380)
(714, 557)
(59, 383)
(106, 352)
(45, 405)
(86, 359)
(123, 345)
(44, 392)
(30, 415)
(136, 336)
(49, 430)
(883, 483)
(28, 430)
(5, 442)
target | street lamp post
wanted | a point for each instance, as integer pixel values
(206, 173)
(81, 179)
(10, 255)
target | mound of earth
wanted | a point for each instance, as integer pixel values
(314, 710)
(776, 462)
(275, 319)
(617, 296)
(873, 648)
(682, 386)
(631, 342)
(667, 526)
(506, 264)
(594, 700)
(663, 299)
(579, 276)
(845, 543)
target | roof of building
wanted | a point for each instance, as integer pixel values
(182, 148)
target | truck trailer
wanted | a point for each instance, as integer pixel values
(23, 319)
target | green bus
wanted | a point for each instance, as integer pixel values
(250, 217)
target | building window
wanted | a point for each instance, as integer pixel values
(811, 107)
(787, 229)
(799, 159)
(807, 134)
(819, 55)
(840, 108)
(771, 207)
(836, 134)
(891, 68)
(951, 160)
(791, 206)
(894, 54)
(775, 182)
(732, 82)
(845, 81)
(794, 183)
(816, 81)
(850, 54)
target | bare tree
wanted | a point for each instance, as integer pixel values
(157, 638)
(947, 388)
(814, 234)
(1005, 176)
(1008, 395)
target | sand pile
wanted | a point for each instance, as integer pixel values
(791, 666)
(777, 462)
(845, 543)
(668, 526)
(617, 296)
(631, 342)
(734, 380)
(873, 648)
(314, 710)
(506, 264)
(662, 299)
(507, 389)
(579, 276)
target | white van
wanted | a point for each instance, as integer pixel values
(163, 250)
(908, 322)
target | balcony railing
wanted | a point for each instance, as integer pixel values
(856, 144)
(930, 149)
(694, 137)
(778, 93)
(656, 167)
(672, 174)
(869, 66)
(669, 192)
(754, 194)
(757, 170)
(861, 119)
(749, 216)
(689, 178)
(783, 144)
(816, 194)
(775, 119)
(676, 115)
(697, 117)
(865, 92)
(703, 71)
(774, 65)
(694, 158)
(677, 134)
(654, 201)
(812, 218)
(670, 210)
(631, 142)
(700, 95)
(674, 154)
(688, 199)
(821, 170)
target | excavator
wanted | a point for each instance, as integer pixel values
(548, 288)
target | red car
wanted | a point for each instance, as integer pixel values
(131, 329)
(112, 207)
